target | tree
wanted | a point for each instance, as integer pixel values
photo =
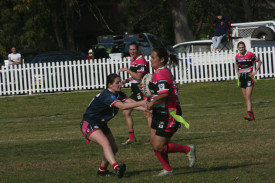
(181, 27)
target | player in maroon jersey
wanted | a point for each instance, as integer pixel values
(138, 68)
(245, 62)
(165, 99)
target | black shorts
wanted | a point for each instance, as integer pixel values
(245, 80)
(164, 124)
(136, 94)
(87, 128)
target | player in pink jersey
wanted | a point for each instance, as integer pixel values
(245, 62)
(165, 99)
(138, 68)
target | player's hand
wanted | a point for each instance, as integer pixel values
(252, 74)
(122, 69)
(141, 87)
(123, 82)
(150, 105)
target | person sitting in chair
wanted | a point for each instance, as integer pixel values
(222, 24)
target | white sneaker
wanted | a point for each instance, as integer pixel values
(192, 155)
(164, 173)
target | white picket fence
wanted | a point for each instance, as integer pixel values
(85, 75)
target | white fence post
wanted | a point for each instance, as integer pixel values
(78, 75)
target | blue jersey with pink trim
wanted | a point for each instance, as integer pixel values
(102, 108)
(163, 82)
(246, 62)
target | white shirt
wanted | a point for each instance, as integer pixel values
(14, 57)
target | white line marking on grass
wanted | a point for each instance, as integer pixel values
(199, 132)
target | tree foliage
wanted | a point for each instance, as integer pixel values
(75, 24)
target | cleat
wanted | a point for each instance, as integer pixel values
(164, 173)
(120, 170)
(192, 155)
(129, 141)
(249, 117)
(105, 174)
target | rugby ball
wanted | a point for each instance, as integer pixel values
(145, 84)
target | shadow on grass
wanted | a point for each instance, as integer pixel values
(191, 170)
(219, 168)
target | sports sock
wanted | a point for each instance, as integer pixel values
(115, 165)
(102, 169)
(131, 134)
(163, 158)
(172, 147)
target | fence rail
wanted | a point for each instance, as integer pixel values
(83, 75)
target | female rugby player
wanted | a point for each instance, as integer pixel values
(101, 109)
(245, 62)
(165, 99)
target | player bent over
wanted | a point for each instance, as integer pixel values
(245, 62)
(101, 109)
(165, 100)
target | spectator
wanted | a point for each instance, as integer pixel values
(14, 58)
(222, 24)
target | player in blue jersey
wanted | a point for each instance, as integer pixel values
(101, 109)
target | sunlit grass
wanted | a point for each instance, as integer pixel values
(40, 139)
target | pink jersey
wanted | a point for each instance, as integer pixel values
(138, 66)
(163, 82)
(246, 62)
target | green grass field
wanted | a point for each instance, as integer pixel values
(40, 138)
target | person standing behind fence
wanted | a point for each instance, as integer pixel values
(244, 65)
(14, 58)
(222, 24)
(138, 68)
(164, 102)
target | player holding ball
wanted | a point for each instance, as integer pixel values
(165, 101)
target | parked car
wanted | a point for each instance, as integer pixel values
(117, 46)
(193, 46)
(55, 57)
(59, 56)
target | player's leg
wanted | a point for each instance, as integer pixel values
(130, 125)
(247, 92)
(102, 171)
(148, 117)
(100, 138)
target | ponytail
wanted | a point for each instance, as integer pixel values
(171, 60)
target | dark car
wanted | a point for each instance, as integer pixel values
(59, 56)
(115, 46)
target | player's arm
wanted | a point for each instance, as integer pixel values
(129, 105)
(160, 98)
(140, 108)
(134, 75)
(259, 63)
(237, 69)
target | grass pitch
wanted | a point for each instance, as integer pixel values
(40, 138)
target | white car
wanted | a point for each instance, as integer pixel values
(194, 46)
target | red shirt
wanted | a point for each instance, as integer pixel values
(138, 66)
(246, 62)
(163, 82)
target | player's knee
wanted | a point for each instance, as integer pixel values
(157, 147)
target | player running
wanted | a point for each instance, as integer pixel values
(164, 100)
(138, 68)
(245, 62)
(103, 107)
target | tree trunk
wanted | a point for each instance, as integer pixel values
(69, 17)
(181, 28)
(57, 32)
(247, 9)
